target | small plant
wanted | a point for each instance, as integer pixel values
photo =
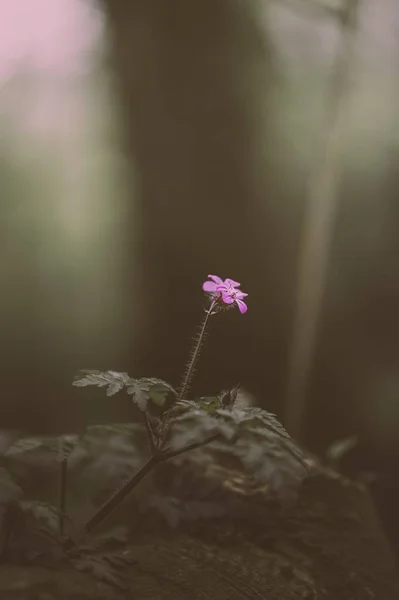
(260, 440)
(173, 424)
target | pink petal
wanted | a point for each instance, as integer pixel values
(209, 286)
(242, 307)
(239, 294)
(232, 283)
(215, 278)
(226, 297)
(222, 287)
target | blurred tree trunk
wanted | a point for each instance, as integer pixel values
(194, 79)
(318, 232)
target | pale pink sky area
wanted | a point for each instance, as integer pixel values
(46, 35)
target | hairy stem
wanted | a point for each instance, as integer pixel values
(195, 353)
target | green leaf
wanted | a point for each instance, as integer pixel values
(113, 380)
(158, 390)
(142, 390)
(149, 388)
(158, 395)
(182, 406)
(139, 390)
(154, 381)
(257, 440)
(210, 404)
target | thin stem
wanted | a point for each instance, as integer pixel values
(121, 494)
(62, 497)
(115, 499)
(174, 453)
(194, 357)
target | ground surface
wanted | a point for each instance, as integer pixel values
(330, 546)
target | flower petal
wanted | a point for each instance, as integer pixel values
(226, 297)
(222, 287)
(242, 307)
(209, 286)
(240, 294)
(215, 278)
(232, 283)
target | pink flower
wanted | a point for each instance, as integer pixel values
(226, 291)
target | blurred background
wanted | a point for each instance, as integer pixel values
(144, 145)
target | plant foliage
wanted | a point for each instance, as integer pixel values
(191, 435)
(143, 391)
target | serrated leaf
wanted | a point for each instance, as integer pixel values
(113, 453)
(149, 388)
(210, 403)
(272, 460)
(154, 381)
(63, 446)
(158, 390)
(139, 390)
(113, 380)
(158, 395)
(24, 445)
(60, 447)
(270, 421)
(262, 445)
(182, 406)
(121, 438)
(255, 417)
(197, 426)
(29, 455)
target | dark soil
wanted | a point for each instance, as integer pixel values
(330, 547)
